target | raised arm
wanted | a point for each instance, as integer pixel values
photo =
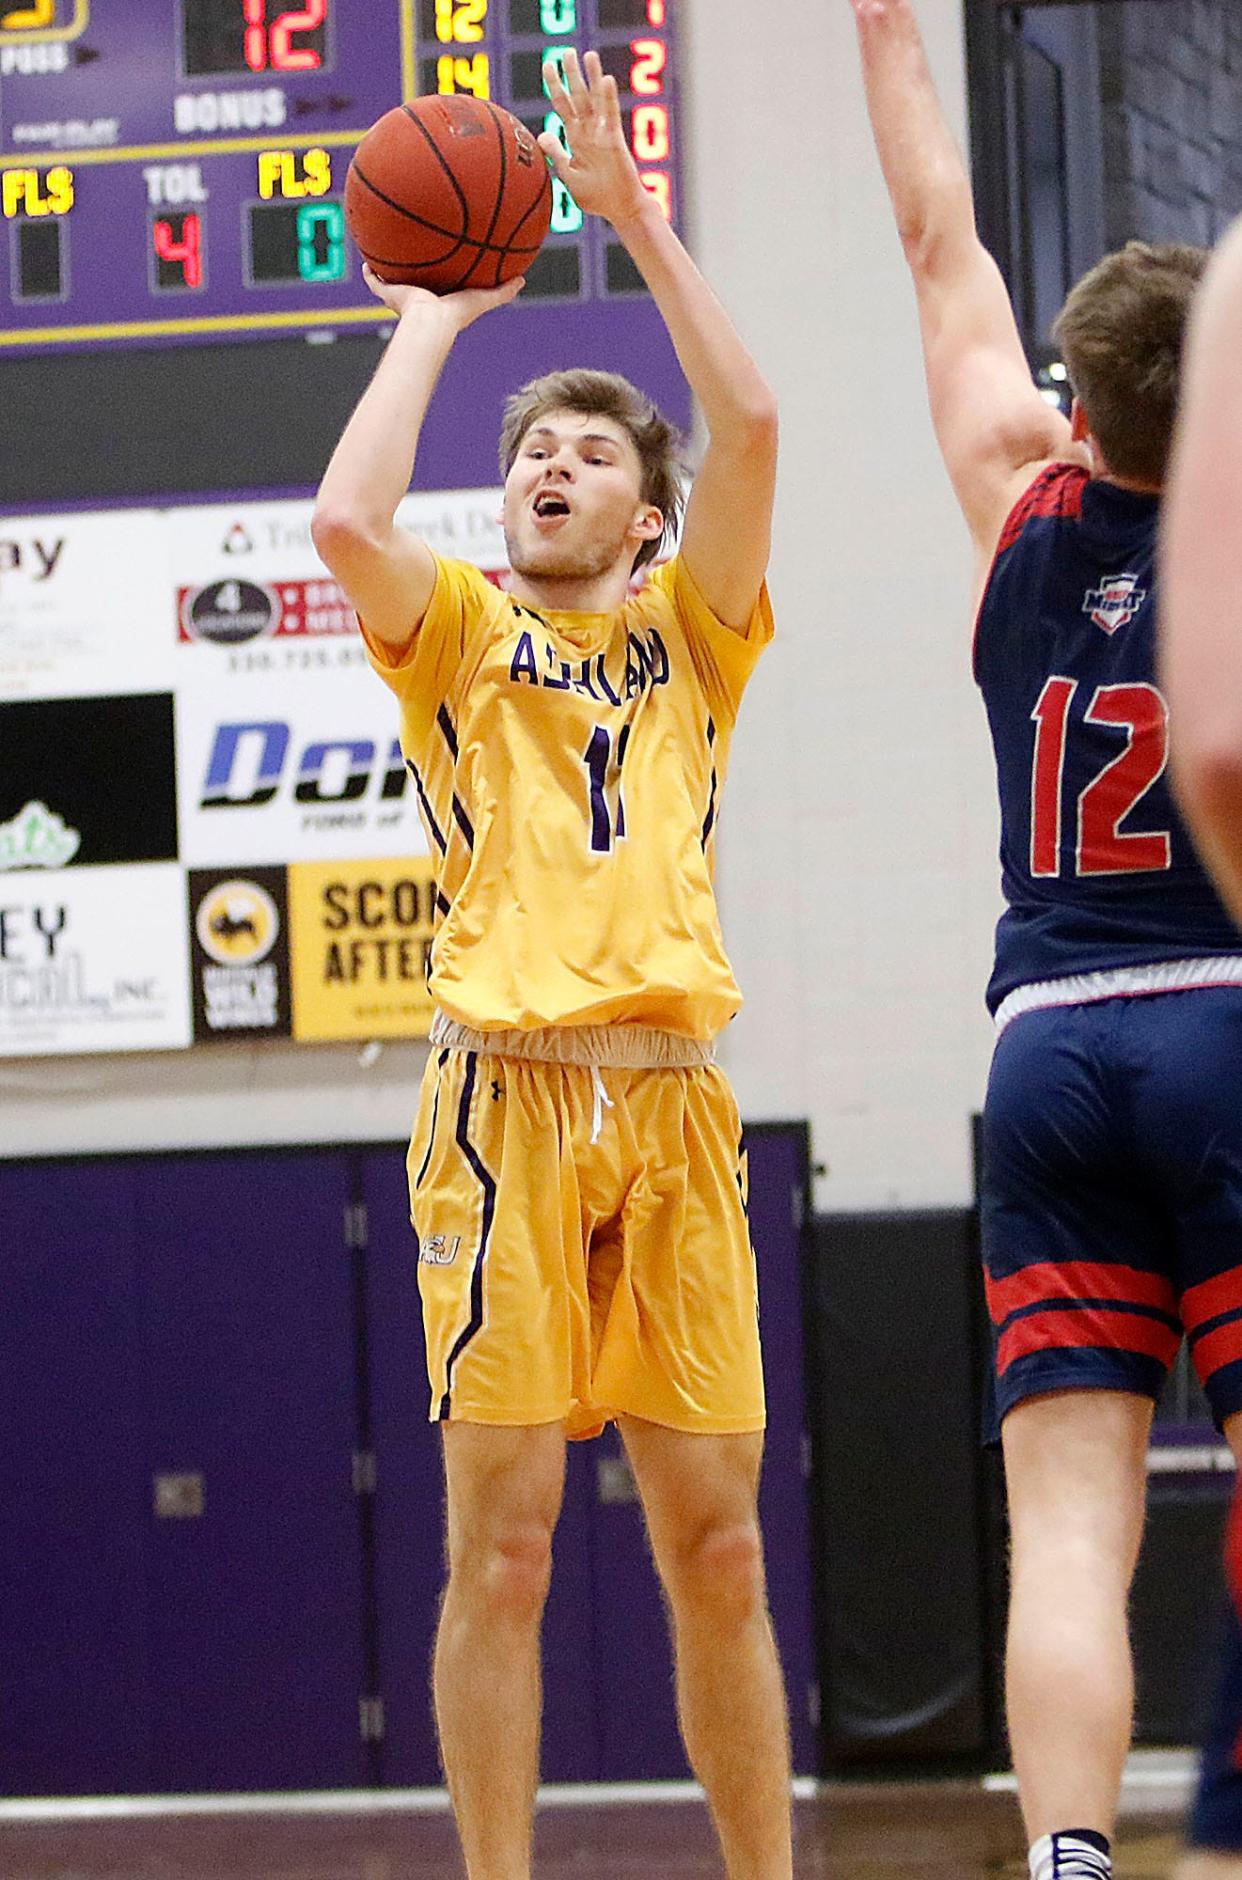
(1201, 596)
(727, 533)
(388, 574)
(992, 425)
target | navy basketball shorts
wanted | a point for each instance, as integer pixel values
(1111, 1196)
(1216, 1818)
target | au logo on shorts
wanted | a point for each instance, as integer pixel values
(439, 1249)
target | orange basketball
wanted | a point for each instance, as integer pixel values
(448, 193)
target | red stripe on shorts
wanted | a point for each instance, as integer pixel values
(1051, 1281)
(1074, 1328)
(1211, 1297)
(1222, 1346)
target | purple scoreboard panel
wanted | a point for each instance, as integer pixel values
(174, 169)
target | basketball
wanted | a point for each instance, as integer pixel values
(448, 192)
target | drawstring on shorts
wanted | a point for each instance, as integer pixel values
(602, 1102)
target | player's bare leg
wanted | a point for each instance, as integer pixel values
(504, 1496)
(700, 1497)
(1075, 1467)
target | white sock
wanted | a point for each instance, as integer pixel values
(1071, 1854)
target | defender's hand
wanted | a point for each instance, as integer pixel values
(597, 169)
(462, 308)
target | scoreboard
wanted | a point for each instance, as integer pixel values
(173, 170)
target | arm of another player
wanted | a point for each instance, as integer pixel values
(726, 538)
(388, 574)
(993, 427)
(1201, 595)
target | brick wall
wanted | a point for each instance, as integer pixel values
(1171, 73)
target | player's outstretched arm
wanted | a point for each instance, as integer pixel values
(727, 533)
(992, 425)
(388, 574)
(1201, 596)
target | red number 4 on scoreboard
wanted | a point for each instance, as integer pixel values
(179, 243)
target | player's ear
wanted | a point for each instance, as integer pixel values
(649, 523)
(1080, 428)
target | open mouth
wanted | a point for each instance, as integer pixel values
(549, 506)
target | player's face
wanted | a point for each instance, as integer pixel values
(573, 499)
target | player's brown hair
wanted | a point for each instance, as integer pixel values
(606, 395)
(1120, 333)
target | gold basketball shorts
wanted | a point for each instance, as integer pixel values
(583, 1245)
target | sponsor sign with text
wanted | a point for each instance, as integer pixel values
(68, 625)
(360, 936)
(93, 959)
(239, 941)
(306, 770)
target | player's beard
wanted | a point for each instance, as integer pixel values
(584, 561)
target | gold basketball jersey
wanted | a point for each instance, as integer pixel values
(569, 769)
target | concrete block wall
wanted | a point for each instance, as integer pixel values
(1172, 82)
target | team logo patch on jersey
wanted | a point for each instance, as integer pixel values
(1114, 602)
(439, 1250)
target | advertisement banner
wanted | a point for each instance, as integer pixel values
(360, 937)
(303, 771)
(239, 948)
(207, 829)
(84, 605)
(93, 959)
(269, 543)
(85, 781)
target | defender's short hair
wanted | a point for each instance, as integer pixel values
(606, 395)
(1121, 333)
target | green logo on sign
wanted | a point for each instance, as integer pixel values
(37, 838)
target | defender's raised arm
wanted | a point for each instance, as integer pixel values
(727, 532)
(992, 425)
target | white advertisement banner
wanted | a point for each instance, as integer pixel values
(286, 742)
(93, 959)
(84, 605)
(271, 542)
(309, 771)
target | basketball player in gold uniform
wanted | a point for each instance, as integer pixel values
(576, 1172)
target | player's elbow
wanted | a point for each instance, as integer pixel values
(342, 536)
(936, 226)
(756, 424)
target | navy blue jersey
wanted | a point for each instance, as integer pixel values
(1098, 868)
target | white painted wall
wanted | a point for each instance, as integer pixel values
(857, 870)
(859, 835)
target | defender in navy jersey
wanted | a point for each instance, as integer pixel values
(1112, 1202)
(1202, 672)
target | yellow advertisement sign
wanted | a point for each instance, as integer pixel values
(359, 937)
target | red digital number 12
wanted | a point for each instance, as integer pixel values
(275, 43)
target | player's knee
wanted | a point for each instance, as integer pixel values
(508, 1569)
(720, 1571)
